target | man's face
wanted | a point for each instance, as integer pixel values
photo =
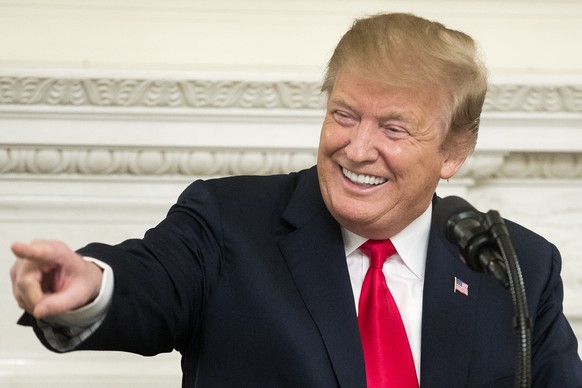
(380, 156)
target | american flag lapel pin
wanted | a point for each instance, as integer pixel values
(461, 286)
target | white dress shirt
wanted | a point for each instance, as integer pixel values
(404, 274)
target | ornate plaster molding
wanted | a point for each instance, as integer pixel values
(197, 93)
(523, 165)
(138, 162)
(555, 98)
(158, 93)
(142, 162)
(143, 96)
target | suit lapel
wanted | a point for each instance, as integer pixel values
(316, 259)
(315, 256)
(448, 317)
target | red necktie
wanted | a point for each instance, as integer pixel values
(387, 354)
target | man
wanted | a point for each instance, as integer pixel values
(256, 280)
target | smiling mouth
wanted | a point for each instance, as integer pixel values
(363, 180)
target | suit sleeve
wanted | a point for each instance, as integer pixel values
(161, 282)
(555, 359)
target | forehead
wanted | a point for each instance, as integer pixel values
(366, 94)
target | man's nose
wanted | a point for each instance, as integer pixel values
(362, 146)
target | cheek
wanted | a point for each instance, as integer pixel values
(428, 174)
(333, 137)
(324, 139)
(419, 165)
(397, 158)
(324, 151)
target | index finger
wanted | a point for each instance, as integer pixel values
(37, 251)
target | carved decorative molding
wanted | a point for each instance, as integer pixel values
(523, 165)
(139, 162)
(139, 95)
(150, 93)
(149, 162)
(205, 93)
(534, 98)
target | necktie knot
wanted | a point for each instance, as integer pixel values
(378, 251)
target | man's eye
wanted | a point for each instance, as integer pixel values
(395, 131)
(343, 118)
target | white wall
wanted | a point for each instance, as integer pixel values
(109, 108)
(258, 35)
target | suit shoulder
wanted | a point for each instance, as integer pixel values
(257, 186)
(521, 235)
(244, 190)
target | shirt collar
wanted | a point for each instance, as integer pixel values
(411, 243)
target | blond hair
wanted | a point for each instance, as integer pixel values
(407, 50)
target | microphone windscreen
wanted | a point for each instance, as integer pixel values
(448, 208)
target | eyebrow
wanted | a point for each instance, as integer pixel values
(408, 118)
(344, 104)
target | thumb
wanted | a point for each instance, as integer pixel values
(42, 310)
(57, 303)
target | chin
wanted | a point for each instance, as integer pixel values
(354, 220)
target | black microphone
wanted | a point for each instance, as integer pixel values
(464, 226)
(486, 247)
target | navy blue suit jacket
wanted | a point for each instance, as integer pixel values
(247, 279)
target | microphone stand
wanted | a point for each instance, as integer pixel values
(522, 322)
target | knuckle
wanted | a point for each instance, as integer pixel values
(13, 271)
(27, 284)
(22, 304)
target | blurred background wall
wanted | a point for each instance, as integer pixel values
(109, 108)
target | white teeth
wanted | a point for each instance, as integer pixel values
(363, 179)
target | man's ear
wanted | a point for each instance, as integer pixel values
(451, 166)
(455, 156)
(456, 149)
